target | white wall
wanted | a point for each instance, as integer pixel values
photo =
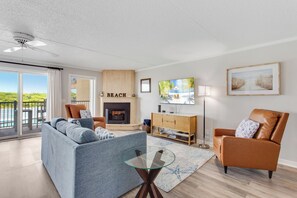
(66, 88)
(227, 111)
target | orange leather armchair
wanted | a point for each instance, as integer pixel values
(260, 152)
(73, 111)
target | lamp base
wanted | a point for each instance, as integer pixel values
(203, 146)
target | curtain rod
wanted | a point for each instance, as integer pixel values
(31, 65)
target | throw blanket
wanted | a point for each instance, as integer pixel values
(103, 134)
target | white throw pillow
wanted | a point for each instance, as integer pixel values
(247, 128)
(85, 114)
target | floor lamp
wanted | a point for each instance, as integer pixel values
(203, 91)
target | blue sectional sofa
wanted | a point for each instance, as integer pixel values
(90, 170)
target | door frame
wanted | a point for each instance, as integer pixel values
(93, 88)
(20, 71)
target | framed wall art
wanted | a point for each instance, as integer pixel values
(261, 79)
(145, 85)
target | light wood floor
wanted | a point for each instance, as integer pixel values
(22, 175)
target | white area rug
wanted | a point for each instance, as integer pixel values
(188, 160)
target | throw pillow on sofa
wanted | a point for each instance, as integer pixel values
(247, 128)
(103, 134)
(85, 114)
(87, 123)
(81, 135)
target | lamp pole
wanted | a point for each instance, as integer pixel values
(203, 145)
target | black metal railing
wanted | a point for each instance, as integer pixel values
(85, 102)
(33, 113)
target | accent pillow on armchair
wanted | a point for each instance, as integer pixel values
(247, 128)
(85, 114)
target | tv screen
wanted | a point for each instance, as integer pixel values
(178, 91)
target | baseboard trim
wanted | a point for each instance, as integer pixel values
(287, 163)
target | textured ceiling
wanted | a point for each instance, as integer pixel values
(135, 34)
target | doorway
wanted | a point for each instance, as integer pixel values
(82, 91)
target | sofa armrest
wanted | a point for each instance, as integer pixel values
(99, 119)
(249, 153)
(101, 170)
(221, 132)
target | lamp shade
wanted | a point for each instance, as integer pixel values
(203, 90)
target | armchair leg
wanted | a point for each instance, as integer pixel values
(225, 169)
(270, 174)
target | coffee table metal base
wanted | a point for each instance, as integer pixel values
(148, 186)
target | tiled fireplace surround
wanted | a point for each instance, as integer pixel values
(116, 82)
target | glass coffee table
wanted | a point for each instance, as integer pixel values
(148, 162)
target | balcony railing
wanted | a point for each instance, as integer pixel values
(33, 114)
(85, 102)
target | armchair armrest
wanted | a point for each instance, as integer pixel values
(249, 153)
(99, 119)
(221, 132)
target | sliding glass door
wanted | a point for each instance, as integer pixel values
(34, 94)
(22, 103)
(9, 83)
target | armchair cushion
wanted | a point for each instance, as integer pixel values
(267, 120)
(247, 128)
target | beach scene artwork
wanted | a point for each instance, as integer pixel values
(254, 80)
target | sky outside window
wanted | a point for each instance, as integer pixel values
(31, 83)
(34, 83)
(8, 82)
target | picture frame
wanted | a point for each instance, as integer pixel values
(253, 80)
(145, 85)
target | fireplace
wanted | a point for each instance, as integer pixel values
(117, 113)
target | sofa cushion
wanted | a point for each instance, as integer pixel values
(247, 128)
(74, 109)
(55, 121)
(267, 120)
(81, 135)
(63, 125)
(85, 114)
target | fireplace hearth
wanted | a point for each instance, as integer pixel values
(117, 113)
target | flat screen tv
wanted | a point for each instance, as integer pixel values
(177, 91)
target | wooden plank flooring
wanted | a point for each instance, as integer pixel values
(22, 175)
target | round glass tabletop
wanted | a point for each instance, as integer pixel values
(148, 157)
